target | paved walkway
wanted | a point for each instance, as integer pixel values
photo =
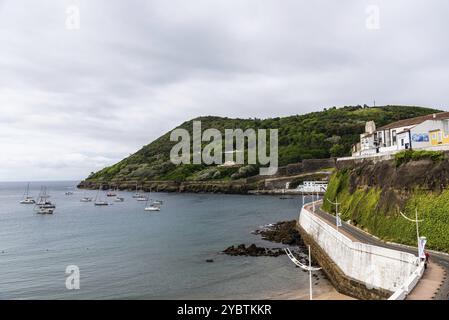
(434, 280)
(430, 283)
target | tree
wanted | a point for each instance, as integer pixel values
(337, 150)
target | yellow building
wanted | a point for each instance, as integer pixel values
(438, 137)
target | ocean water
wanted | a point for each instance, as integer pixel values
(123, 252)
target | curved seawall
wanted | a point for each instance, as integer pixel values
(361, 270)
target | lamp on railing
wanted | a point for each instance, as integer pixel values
(421, 242)
(337, 214)
(304, 267)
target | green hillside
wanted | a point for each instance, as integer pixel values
(323, 134)
(372, 195)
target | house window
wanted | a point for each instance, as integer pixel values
(379, 138)
(393, 135)
(446, 127)
(402, 142)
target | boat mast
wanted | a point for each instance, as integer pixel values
(98, 192)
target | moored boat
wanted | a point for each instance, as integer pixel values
(45, 211)
(101, 203)
(26, 197)
(152, 208)
(43, 205)
(138, 194)
(98, 200)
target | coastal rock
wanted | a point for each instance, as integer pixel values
(253, 251)
(284, 232)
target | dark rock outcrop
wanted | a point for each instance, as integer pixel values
(284, 232)
(253, 251)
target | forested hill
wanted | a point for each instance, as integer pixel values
(323, 134)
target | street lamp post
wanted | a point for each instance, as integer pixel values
(337, 214)
(308, 268)
(417, 227)
(302, 192)
(313, 202)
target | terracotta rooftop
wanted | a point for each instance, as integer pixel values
(415, 121)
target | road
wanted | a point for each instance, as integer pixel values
(441, 259)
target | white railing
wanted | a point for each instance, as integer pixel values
(409, 284)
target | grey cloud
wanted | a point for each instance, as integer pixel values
(136, 69)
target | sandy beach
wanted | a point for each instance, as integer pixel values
(324, 291)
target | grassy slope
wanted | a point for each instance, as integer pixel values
(315, 135)
(361, 207)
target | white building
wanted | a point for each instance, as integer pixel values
(425, 132)
(312, 186)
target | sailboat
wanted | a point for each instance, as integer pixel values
(138, 195)
(152, 207)
(98, 201)
(85, 199)
(43, 201)
(118, 198)
(157, 202)
(26, 197)
(142, 198)
(43, 205)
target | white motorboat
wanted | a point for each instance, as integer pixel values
(26, 197)
(152, 208)
(86, 199)
(142, 198)
(69, 193)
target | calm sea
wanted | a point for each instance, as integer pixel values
(124, 252)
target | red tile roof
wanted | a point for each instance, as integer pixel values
(415, 121)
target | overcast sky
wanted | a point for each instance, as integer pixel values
(74, 100)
